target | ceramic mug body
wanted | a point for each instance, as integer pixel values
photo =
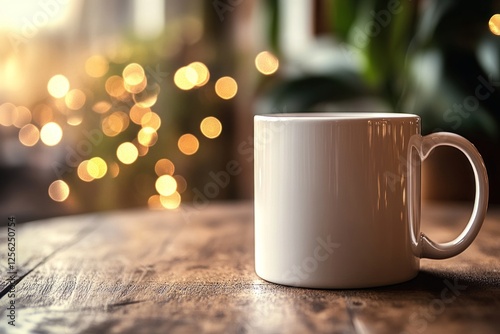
(335, 204)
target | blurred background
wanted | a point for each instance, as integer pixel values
(133, 103)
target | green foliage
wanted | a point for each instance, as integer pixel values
(430, 58)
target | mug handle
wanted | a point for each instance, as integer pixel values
(422, 245)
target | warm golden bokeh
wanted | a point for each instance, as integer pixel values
(136, 113)
(494, 24)
(114, 169)
(226, 88)
(186, 78)
(141, 149)
(211, 127)
(171, 202)
(83, 172)
(96, 66)
(51, 134)
(59, 191)
(97, 167)
(181, 183)
(127, 153)
(29, 135)
(154, 202)
(75, 99)
(164, 167)
(166, 185)
(58, 86)
(101, 107)
(188, 144)
(148, 97)
(133, 74)
(115, 123)
(202, 73)
(8, 114)
(151, 120)
(115, 87)
(75, 119)
(266, 63)
(43, 114)
(23, 117)
(136, 89)
(147, 136)
(135, 80)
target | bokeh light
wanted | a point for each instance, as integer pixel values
(154, 202)
(135, 80)
(101, 107)
(133, 74)
(188, 144)
(181, 183)
(185, 78)
(494, 24)
(164, 167)
(115, 123)
(114, 87)
(136, 113)
(83, 171)
(114, 169)
(127, 153)
(96, 66)
(75, 119)
(29, 135)
(59, 191)
(137, 88)
(148, 97)
(171, 202)
(211, 127)
(97, 167)
(151, 120)
(8, 114)
(266, 63)
(166, 185)
(42, 114)
(75, 99)
(58, 86)
(23, 117)
(51, 134)
(143, 150)
(226, 88)
(147, 136)
(202, 73)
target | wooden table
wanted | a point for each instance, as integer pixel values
(191, 271)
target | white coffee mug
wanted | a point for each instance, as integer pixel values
(337, 198)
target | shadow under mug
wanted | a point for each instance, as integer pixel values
(337, 198)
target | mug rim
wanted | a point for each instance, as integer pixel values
(333, 116)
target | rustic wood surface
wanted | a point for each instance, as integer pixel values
(191, 271)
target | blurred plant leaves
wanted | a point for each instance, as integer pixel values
(396, 39)
(299, 95)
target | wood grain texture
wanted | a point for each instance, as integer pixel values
(191, 271)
